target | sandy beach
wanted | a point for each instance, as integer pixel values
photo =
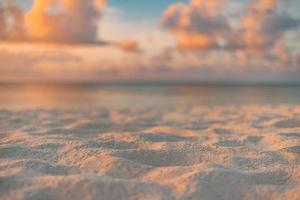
(192, 152)
(149, 100)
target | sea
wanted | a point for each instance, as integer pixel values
(77, 96)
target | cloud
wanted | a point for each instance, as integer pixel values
(29, 63)
(69, 21)
(197, 25)
(263, 26)
(256, 35)
(262, 32)
(2, 23)
(202, 24)
(54, 21)
(11, 22)
(129, 45)
(205, 40)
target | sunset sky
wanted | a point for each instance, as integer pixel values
(133, 40)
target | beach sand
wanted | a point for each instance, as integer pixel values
(192, 152)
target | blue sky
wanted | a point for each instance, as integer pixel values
(137, 9)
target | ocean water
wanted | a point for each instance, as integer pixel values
(93, 96)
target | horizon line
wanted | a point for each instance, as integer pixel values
(154, 83)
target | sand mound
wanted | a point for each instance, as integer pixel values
(197, 153)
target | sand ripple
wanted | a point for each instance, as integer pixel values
(217, 153)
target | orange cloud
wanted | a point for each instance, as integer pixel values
(204, 25)
(11, 22)
(187, 40)
(197, 25)
(210, 6)
(74, 21)
(2, 23)
(263, 26)
(55, 21)
(129, 45)
(259, 15)
(262, 32)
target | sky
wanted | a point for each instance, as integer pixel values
(161, 40)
